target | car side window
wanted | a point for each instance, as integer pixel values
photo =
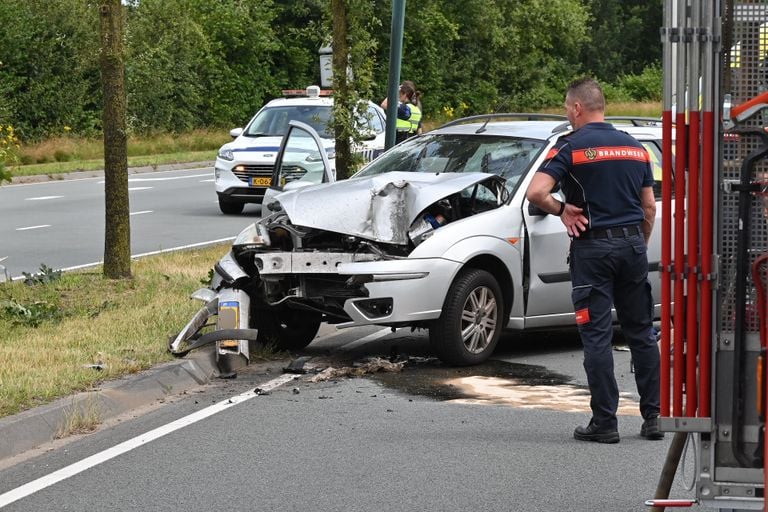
(375, 120)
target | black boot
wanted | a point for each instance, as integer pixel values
(592, 433)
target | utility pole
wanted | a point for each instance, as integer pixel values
(117, 228)
(395, 58)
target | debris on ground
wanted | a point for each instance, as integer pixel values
(297, 365)
(370, 365)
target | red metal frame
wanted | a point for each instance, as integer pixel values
(681, 157)
(666, 256)
(691, 331)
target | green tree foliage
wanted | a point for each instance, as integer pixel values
(199, 63)
(480, 56)
(624, 37)
(48, 67)
(300, 29)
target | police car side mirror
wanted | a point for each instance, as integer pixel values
(535, 211)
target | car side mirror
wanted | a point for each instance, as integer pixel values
(235, 132)
(535, 211)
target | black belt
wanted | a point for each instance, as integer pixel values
(612, 232)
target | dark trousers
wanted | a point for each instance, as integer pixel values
(606, 272)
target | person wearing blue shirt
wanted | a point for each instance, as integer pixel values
(608, 212)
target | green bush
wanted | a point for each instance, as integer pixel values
(616, 94)
(647, 86)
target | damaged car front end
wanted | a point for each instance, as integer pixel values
(304, 264)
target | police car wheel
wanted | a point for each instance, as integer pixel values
(230, 207)
(469, 327)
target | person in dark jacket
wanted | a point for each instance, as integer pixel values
(608, 212)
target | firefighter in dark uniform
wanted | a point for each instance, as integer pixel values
(609, 211)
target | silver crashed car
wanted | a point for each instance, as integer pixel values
(436, 233)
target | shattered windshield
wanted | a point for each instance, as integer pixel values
(508, 157)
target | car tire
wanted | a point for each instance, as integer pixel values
(288, 329)
(230, 207)
(470, 325)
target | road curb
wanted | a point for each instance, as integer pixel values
(35, 427)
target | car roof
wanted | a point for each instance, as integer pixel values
(542, 126)
(302, 101)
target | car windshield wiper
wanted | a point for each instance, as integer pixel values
(419, 158)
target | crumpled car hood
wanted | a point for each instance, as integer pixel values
(380, 208)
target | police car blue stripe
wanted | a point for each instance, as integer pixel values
(257, 148)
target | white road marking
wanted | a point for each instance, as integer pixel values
(168, 178)
(34, 227)
(124, 447)
(135, 256)
(362, 341)
(132, 180)
(43, 198)
(141, 212)
(211, 180)
(131, 189)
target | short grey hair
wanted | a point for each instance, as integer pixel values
(587, 92)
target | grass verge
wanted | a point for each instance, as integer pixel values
(52, 334)
(58, 168)
(70, 153)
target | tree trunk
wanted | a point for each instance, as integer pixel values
(117, 229)
(342, 109)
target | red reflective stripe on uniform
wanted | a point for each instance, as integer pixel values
(582, 316)
(552, 153)
(589, 155)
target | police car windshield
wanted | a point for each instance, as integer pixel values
(508, 157)
(273, 121)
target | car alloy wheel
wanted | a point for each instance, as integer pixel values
(479, 319)
(469, 327)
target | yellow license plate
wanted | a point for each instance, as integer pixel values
(261, 182)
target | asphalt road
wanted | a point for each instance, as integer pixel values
(61, 223)
(426, 438)
(492, 437)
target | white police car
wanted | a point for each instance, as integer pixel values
(243, 168)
